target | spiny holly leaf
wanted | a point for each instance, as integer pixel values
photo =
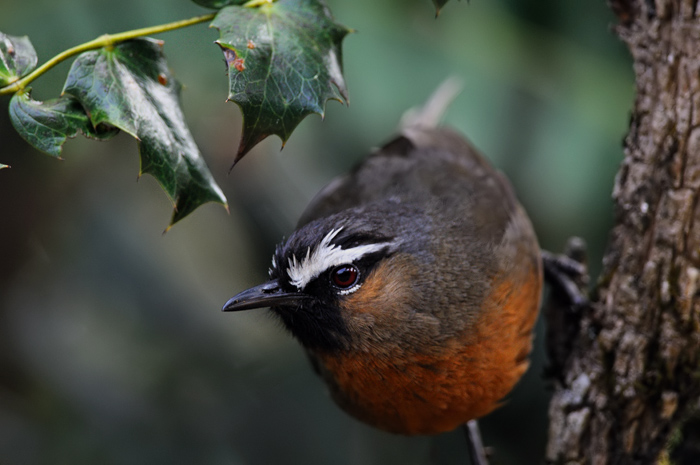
(47, 125)
(284, 62)
(217, 4)
(130, 87)
(17, 58)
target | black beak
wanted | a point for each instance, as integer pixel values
(264, 295)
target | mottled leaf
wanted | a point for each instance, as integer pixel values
(129, 86)
(47, 125)
(217, 4)
(17, 58)
(284, 62)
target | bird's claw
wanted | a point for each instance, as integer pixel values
(567, 273)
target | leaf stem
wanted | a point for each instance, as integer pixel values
(257, 3)
(106, 40)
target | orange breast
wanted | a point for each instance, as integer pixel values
(412, 393)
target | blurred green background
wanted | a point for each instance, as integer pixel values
(112, 346)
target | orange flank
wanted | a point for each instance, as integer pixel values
(420, 393)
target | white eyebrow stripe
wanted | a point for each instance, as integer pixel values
(325, 255)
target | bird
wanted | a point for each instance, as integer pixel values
(413, 282)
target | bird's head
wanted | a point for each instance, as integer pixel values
(331, 277)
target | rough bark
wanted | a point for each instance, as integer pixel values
(631, 370)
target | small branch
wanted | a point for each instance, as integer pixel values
(106, 40)
(257, 3)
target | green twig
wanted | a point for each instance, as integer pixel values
(106, 40)
(257, 3)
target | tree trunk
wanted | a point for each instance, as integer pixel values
(630, 372)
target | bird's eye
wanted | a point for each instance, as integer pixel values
(345, 276)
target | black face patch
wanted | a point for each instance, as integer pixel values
(318, 322)
(316, 325)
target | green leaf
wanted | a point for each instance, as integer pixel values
(17, 58)
(129, 86)
(47, 125)
(284, 62)
(218, 4)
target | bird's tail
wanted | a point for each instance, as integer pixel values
(432, 112)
